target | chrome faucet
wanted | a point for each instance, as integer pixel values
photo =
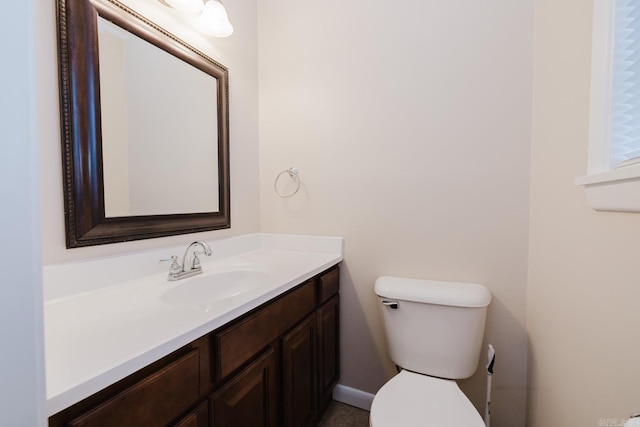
(179, 271)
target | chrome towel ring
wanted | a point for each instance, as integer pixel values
(293, 173)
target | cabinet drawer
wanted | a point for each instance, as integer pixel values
(328, 285)
(156, 400)
(240, 342)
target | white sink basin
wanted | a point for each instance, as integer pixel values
(203, 291)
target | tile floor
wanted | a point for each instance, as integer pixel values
(342, 415)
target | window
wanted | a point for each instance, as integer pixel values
(613, 180)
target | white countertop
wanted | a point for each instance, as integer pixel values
(98, 334)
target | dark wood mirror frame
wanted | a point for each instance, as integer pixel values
(85, 220)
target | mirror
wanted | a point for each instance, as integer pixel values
(155, 152)
(144, 128)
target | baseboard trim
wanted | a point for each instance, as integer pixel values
(351, 396)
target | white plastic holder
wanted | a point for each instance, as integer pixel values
(491, 358)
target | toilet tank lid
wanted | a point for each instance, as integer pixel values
(456, 294)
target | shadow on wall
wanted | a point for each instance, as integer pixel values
(361, 331)
(475, 387)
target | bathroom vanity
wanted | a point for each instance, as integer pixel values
(268, 355)
(253, 340)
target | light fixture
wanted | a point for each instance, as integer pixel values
(191, 6)
(214, 19)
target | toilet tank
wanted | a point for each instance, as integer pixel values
(436, 327)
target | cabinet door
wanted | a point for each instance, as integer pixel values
(328, 320)
(299, 374)
(199, 417)
(250, 398)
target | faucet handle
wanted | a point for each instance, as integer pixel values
(174, 258)
(196, 261)
(175, 268)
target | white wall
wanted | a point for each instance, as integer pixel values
(21, 331)
(238, 53)
(584, 282)
(410, 123)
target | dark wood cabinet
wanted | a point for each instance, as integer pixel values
(176, 385)
(274, 366)
(250, 398)
(328, 334)
(199, 417)
(242, 340)
(158, 394)
(299, 374)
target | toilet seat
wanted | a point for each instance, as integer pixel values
(415, 400)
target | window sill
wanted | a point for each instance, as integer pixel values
(617, 190)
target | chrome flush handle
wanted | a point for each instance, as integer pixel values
(392, 304)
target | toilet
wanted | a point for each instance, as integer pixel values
(434, 332)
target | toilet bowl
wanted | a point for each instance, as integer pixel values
(434, 332)
(416, 400)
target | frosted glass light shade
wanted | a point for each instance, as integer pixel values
(191, 6)
(214, 19)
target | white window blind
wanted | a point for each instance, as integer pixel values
(625, 102)
(612, 182)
